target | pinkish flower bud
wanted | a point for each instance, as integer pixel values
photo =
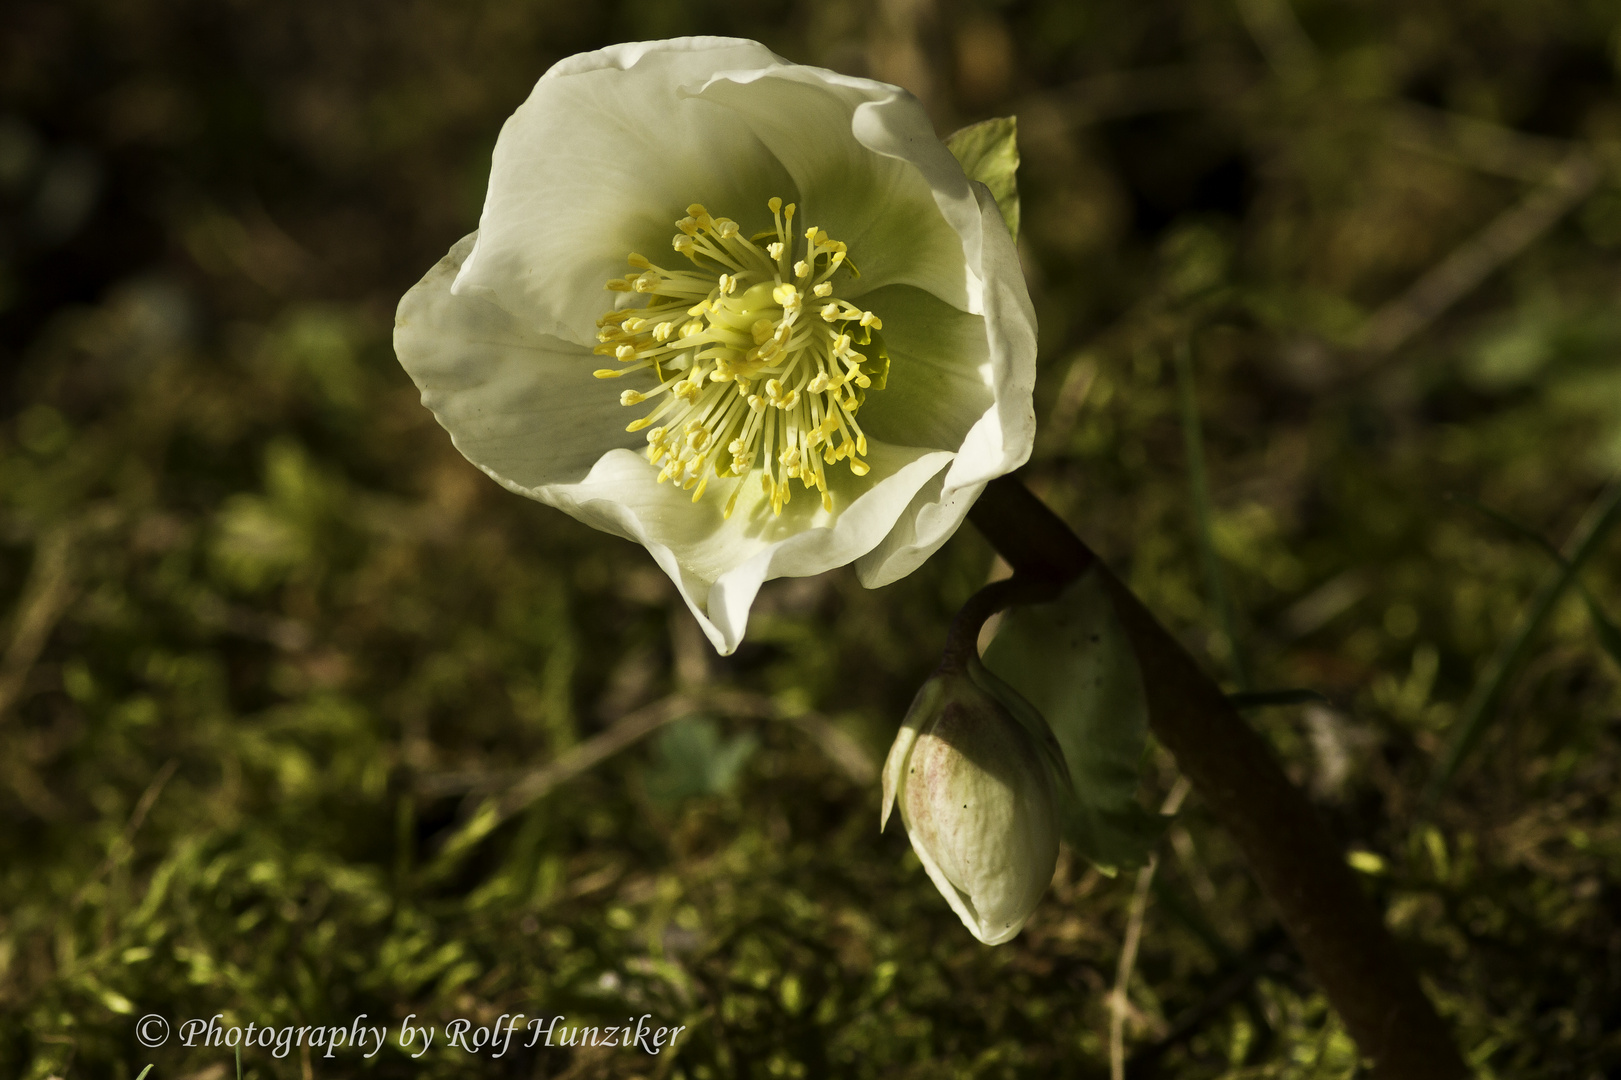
(977, 775)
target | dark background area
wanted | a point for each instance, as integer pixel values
(267, 641)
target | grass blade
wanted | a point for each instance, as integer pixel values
(1481, 708)
(1199, 489)
(1609, 635)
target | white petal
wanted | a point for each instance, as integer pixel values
(940, 376)
(521, 405)
(719, 564)
(868, 168)
(1000, 440)
(600, 161)
(925, 525)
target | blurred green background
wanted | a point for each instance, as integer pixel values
(267, 643)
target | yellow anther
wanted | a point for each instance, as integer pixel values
(801, 369)
(607, 373)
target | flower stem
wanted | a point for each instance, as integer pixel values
(962, 638)
(1339, 932)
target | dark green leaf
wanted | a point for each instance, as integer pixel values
(1071, 660)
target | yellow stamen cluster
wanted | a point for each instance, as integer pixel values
(753, 355)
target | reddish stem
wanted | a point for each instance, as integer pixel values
(1338, 930)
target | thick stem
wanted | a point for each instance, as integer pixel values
(1337, 929)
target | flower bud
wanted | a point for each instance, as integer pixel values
(977, 775)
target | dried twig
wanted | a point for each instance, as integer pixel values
(45, 599)
(1279, 35)
(1477, 144)
(513, 795)
(1118, 1001)
(125, 843)
(1461, 272)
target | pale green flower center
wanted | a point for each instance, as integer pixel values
(754, 356)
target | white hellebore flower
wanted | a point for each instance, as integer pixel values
(803, 290)
(979, 779)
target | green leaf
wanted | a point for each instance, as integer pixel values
(1071, 660)
(989, 153)
(691, 758)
